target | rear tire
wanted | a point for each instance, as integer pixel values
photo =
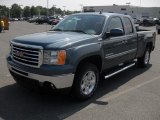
(86, 81)
(144, 60)
(158, 31)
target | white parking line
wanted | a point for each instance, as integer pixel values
(123, 92)
(92, 105)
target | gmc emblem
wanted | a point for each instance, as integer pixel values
(19, 54)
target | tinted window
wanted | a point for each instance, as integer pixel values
(129, 27)
(115, 23)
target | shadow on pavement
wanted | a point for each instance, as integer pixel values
(20, 104)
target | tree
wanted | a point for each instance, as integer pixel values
(39, 8)
(76, 11)
(26, 11)
(16, 11)
(42, 10)
(58, 11)
(68, 12)
(4, 11)
(52, 11)
(34, 11)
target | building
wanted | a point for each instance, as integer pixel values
(134, 11)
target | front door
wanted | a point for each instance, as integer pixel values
(114, 47)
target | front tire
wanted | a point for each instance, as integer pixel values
(86, 81)
(144, 60)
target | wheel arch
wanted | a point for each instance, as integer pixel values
(94, 59)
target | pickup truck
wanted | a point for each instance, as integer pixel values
(79, 51)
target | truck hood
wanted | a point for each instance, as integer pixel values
(49, 40)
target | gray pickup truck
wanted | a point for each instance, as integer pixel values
(79, 51)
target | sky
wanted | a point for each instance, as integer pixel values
(75, 4)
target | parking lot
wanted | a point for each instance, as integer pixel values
(131, 95)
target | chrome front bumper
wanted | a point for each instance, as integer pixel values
(60, 81)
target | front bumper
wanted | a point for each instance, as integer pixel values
(59, 81)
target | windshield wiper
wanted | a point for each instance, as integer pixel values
(80, 31)
(56, 30)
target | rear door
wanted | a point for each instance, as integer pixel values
(114, 47)
(131, 36)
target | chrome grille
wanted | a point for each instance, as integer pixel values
(28, 55)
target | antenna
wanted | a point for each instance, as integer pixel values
(101, 11)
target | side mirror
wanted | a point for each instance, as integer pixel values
(116, 32)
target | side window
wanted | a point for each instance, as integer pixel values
(115, 23)
(129, 27)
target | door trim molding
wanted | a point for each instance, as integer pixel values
(120, 54)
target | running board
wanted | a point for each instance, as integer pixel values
(120, 70)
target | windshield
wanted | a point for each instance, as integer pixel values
(88, 24)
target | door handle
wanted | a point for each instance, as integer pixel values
(121, 43)
(124, 41)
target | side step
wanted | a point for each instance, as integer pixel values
(119, 70)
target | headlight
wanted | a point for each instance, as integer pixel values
(54, 57)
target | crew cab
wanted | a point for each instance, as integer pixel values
(78, 51)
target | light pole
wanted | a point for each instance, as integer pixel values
(140, 11)
(47, 8)
(54, 7)
(39, 12)
(21, 11)
(9, 13)
(64, 10)
(128, 3)
(81, 7)
(0, 13)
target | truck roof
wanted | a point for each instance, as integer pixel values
(103, 14)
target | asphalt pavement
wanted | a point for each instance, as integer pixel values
(131, 95)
